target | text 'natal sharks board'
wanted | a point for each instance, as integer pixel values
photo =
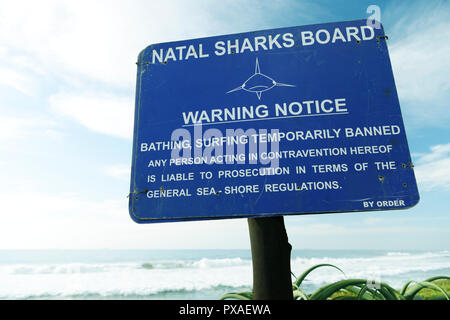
(295, 120)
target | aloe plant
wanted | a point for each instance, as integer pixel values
(356, 289)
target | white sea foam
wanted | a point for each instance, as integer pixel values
(390, 266)
(21, 281)
(71, 268)
(75, 268)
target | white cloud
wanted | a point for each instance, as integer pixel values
(101, 39)
(98, 39)
(118, 171)
(19, 127)
(420, 59)
(17, 80)
(420, 62)
(104, 113)
(433, 169)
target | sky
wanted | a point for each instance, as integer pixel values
(67, 86)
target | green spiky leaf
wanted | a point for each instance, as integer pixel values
(302, 277)
(298, 293)
(414, 290)
(326, 291)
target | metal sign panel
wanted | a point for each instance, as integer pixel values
(286, 121)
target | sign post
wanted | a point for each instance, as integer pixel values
(299, 120)
(271, 259)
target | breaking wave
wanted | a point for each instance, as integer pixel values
(200, 278)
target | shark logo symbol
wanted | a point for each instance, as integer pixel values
(259, 82)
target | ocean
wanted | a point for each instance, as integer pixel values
(191, 274)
